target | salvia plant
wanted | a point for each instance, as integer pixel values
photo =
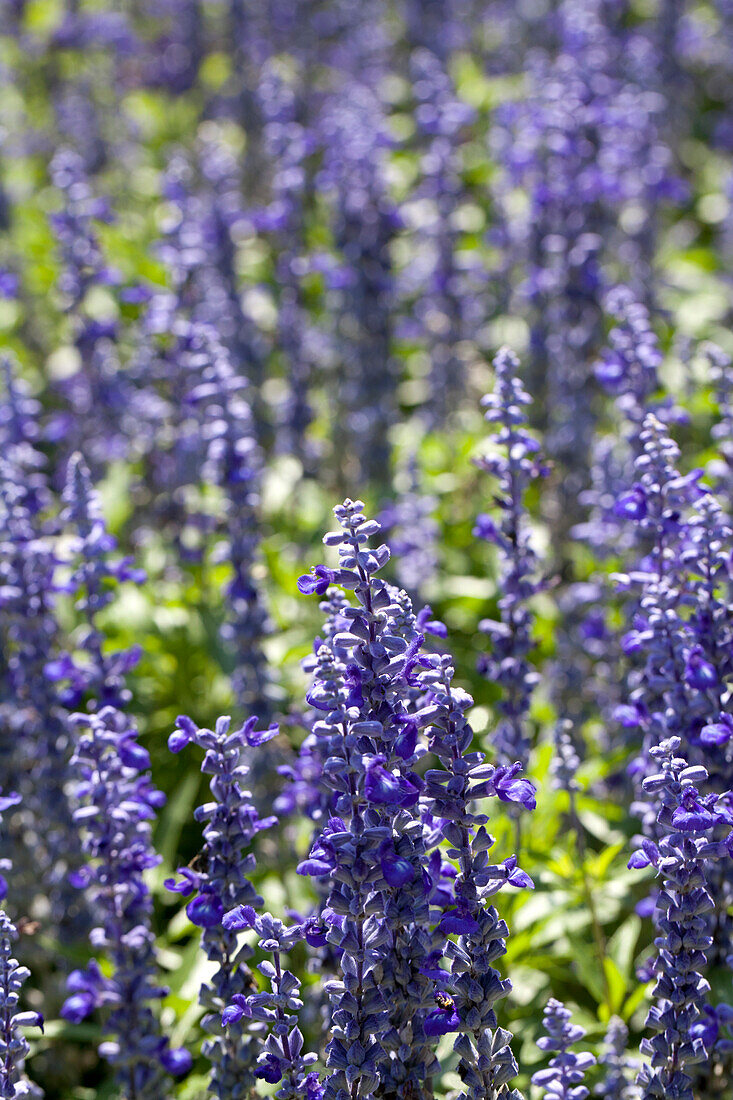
(688, 820)
(619, 1069)
(514, 463)
(115, 804)
(464, 829)
(385, 1018)
(220, 884)
(13, 975)
(564, 1076)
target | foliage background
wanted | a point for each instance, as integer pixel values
(577, 936)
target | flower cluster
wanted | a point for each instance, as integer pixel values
(99, 677)
(628, 366)
(281, 1058)
(487, 1064)
(695, 831)
(233, 461)
(288, 144)
(373, 742)
(447, 305)
(619, 1069)
(219, 882)
(253, 255)
(580, 158)
(514, 463)
(365, 221)
(97, 392)
(563, 1079)
(115, 804)
(13, 1045)
(35, 741)
(393, 898)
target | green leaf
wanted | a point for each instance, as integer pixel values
(617, 984)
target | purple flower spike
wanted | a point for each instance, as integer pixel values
(122, 794)
(513, 464)
(380, 704)
(225, 900)
(563, 1080)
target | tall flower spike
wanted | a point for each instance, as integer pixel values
(696, 831)
(289, 144)
(368, 687)
(514, 463)
(565, 762)
(628, 366)
(115, 805)
(671, 696)
(99, 679)
(682, 628)
(34, 743)
(281, 1058)
(582, 144)
(13, 1044)
(365, 222)
(100, 415)
(370, 847)
(220, 883)
(447, 308)
(617, 1083)
(563, 1080)
(233, 461)
(487, 1065)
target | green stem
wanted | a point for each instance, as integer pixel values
(598, 935)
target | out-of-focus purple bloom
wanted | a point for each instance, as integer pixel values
(9, 284)
(364, 223)
(513, 462)
(619, 1069)
(115, 806)
(563, 1080)
(99, 679)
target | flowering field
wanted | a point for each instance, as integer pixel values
(366, 549)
